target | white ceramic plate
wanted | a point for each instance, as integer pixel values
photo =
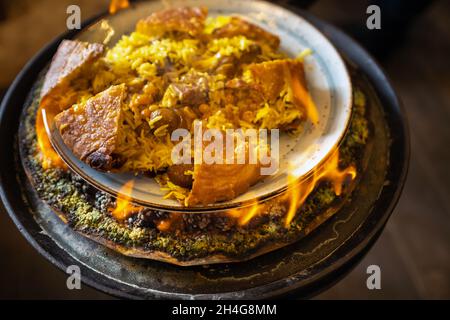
(328, 83)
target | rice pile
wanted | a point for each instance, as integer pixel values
(149, 65)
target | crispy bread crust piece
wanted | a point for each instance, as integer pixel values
(239, 27)
(186, 20)
(90, 130)
(273, 76)
(221, 182)
(69, 58)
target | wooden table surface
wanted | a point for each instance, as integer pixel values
(414, 250)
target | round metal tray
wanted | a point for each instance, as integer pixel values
(302, 269)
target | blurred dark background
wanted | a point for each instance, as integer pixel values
(413, 46)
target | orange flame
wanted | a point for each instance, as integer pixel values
(164, 225)
(244, 215)
(302, 95)
(295, 196)
(298, 191)
(172, 223)
(124, 208)
(49, 157)
(117, 5)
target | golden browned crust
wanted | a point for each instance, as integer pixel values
(68, 59)
(221, 182)
(274, 76)
(239, 27)
(186, 20)
(90, 130)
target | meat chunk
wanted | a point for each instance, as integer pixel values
(171, 118)
(191, 90)
(177, 174)
(165, 117)
(238, 27)
(190, 94)
(184, 20)
(91, 130)
(231, 66)
(221, 182)
(68, 61)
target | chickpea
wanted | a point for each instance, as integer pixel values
(168, 117)
(247, 116)
(203, 108)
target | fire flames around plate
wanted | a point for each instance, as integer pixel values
(124, 208)
(49, 157)
(293, 198)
